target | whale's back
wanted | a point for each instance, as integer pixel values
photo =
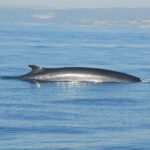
(78, 74)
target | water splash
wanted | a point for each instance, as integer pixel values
(145, 80)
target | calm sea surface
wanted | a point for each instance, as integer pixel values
(74, 116)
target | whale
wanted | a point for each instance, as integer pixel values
(77, 74)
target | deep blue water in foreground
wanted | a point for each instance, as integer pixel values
(74, 116)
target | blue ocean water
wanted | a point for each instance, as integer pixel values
(71, 116)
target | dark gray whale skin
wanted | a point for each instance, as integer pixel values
(77, 74)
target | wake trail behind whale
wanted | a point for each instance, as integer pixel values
(8, 77)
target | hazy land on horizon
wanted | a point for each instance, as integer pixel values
(109, 17)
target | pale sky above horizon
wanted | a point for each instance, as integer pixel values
(75, 3)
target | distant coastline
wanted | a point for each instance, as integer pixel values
(99, 17)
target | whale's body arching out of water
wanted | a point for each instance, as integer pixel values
(77, 74)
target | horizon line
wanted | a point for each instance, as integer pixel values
(48, 7)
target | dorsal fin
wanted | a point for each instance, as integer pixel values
(35, 68)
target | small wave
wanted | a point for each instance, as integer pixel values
(116, 45)
(52, 45)
(4, 28)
